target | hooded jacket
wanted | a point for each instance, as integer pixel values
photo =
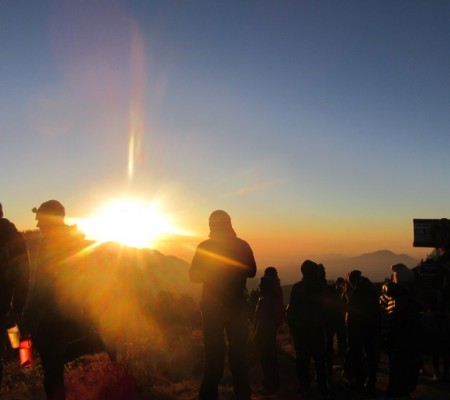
(223, 263)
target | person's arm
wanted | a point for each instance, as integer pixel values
(196, 271)
(250, 263)
(290, 310)
(22, 279)
(20, 269)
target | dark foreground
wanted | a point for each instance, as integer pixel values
(138, 376)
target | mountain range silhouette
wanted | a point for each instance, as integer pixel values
(376, 265)
(170, 273)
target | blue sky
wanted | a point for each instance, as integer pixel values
(320, 126)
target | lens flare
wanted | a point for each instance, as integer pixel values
(136, 123)
(128, 221)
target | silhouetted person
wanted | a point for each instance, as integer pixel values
(332, 313)
(52, 315)
(363, 326)
(432, 278)
(14, 278)
(341, 334)
(306, 317)
(223, 263)
(400, 330)
(267, 321)
(272, 273)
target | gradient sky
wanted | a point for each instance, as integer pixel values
(321, 127)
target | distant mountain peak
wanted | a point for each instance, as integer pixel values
(375, 265)
(379, 253)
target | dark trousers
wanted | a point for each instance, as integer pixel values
(49, 339)
(404, 367)
(341, 335)
(267, 347)
(309, 345)
(53, 368)
(215, 326)
(363, 353)
(330, 352)
(3, 342)
(2, 352)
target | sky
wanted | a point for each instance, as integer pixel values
(320, 127)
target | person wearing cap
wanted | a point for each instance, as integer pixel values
(14, 278)
(222, 264)
(363, 331)
(50, 218)
(53, 314)
(306, 316)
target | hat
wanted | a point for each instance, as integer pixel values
(50, 207)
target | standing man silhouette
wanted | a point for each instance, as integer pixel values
(223, 263)
(51, 316)
(307, 314)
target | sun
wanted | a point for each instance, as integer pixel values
(130, 222)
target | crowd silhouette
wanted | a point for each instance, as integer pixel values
(352, 320)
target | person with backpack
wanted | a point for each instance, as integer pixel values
(222, 264)
(54, 316)
(14, 278)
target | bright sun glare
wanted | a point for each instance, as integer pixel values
(128, 221)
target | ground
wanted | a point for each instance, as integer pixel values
(135, 376)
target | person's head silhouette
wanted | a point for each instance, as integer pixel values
(49, 216)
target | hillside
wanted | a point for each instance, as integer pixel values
(166, 272)
(149, 271)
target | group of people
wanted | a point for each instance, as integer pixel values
(324, 320)
(353, 318)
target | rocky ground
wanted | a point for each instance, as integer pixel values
(427, 388)
(96, 378)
